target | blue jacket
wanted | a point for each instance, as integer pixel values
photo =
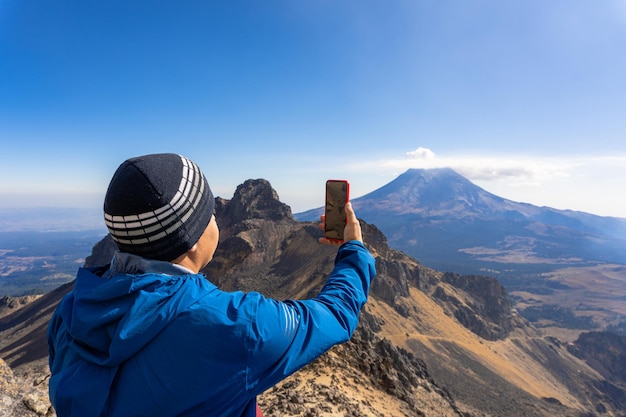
(156, 341)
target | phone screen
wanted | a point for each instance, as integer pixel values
(337, 195)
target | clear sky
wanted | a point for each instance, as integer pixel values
(526, 98)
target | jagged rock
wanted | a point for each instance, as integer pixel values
(101, 253)
(9, 304)
(8, 387)
(487, 312)
(606, 353)
(344, 383)
(393, 280)
(24, 394)
(255, 199)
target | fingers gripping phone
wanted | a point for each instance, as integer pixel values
(337, 195)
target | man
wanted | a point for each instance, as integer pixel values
(148, 335)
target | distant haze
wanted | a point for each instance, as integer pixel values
(75, 200)
(47, 219)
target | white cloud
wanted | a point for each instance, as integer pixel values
(421, 153)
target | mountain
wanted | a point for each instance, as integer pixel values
(429, 343)
(560, 265)
(447, 222)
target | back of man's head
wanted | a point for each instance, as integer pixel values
(157, 206)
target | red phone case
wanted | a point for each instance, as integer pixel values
(337, 196)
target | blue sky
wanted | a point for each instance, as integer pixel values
(526, 98)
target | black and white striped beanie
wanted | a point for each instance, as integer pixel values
(157, 206)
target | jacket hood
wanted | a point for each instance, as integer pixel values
(111, 318)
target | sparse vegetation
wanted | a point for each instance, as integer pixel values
(559, 316)
(619, 328)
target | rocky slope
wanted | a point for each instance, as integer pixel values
(429, 343)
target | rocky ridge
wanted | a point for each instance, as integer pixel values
(429, 343)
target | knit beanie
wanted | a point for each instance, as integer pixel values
(157, 206)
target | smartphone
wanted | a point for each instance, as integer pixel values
(337, 195)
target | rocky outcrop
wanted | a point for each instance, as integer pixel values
(345, 382)
(24, 394)
(254, 199)
(101, 253)
(484, 307)
(606, 353)
(9, 304)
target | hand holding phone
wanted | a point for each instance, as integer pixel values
(337, 196)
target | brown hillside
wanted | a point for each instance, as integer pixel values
(429, 343)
